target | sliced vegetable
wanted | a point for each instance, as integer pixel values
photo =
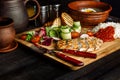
(77, 26)
(66, 35)
(47, 42)
(65, 29)
(42, 32)
(76, 29)
(106, 34)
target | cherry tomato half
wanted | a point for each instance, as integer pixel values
(75, 35)
(90, 33)
(35, 39)
(23, 37)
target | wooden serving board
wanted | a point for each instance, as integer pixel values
(106, 49)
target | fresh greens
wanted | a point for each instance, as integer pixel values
(53, 33)
(30, 34)
(63, 32)
(47, 30)
(28, 38)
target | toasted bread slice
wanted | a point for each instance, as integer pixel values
(56, 22)
(67, 19)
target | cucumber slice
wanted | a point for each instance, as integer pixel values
(55, 28)
(77, 24)
(66, 36)
(65, 29)
(77, 29)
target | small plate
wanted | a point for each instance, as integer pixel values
(13, 46)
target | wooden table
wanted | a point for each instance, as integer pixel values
(25, 64)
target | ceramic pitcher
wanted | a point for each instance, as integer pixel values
(16, 9)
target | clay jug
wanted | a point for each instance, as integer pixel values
(16, 9)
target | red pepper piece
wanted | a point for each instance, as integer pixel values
(106, 34)
(80, 53)
(69, 59)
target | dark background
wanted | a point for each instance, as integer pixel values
(116, 7)
(114, 3)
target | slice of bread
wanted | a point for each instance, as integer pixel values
(67, 19)
(56, 22)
